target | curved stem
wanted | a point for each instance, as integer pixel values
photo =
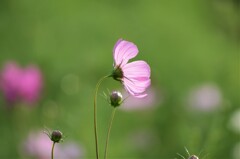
(95, 114)
(108, 133)
(52, 149)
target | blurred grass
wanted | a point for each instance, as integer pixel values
(184, 44)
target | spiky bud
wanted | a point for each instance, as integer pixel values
(56, 136)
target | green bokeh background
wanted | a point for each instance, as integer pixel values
(186, 43)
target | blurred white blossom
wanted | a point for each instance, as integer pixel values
(206, 97)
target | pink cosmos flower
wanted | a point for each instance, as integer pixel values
(135, 76)
(22, 84)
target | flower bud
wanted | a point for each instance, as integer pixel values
(56, 136)
(193, 157)
(116, 99)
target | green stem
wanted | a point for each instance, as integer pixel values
(108, 133)
(53, 149)
(95, 114)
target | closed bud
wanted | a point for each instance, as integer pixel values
(116, 99)
(56, 136)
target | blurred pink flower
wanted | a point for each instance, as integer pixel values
(30, 84)
(20, 84)
(205, 98)
(135, 76)
(153, 99)
(38, 145)
(9, 81)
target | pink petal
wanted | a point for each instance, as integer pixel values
(136, 87)
(136, 78)
(138, 70)
(117, 43)
(123, 51)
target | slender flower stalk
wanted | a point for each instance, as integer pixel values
(56, 136)
(115, 100)
(108, 133)
(95, 115)
(52, 150)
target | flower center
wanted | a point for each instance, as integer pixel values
(117, 73)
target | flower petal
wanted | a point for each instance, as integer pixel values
(136, 78)
(136, 88)
(123, 51)
(138, 70)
